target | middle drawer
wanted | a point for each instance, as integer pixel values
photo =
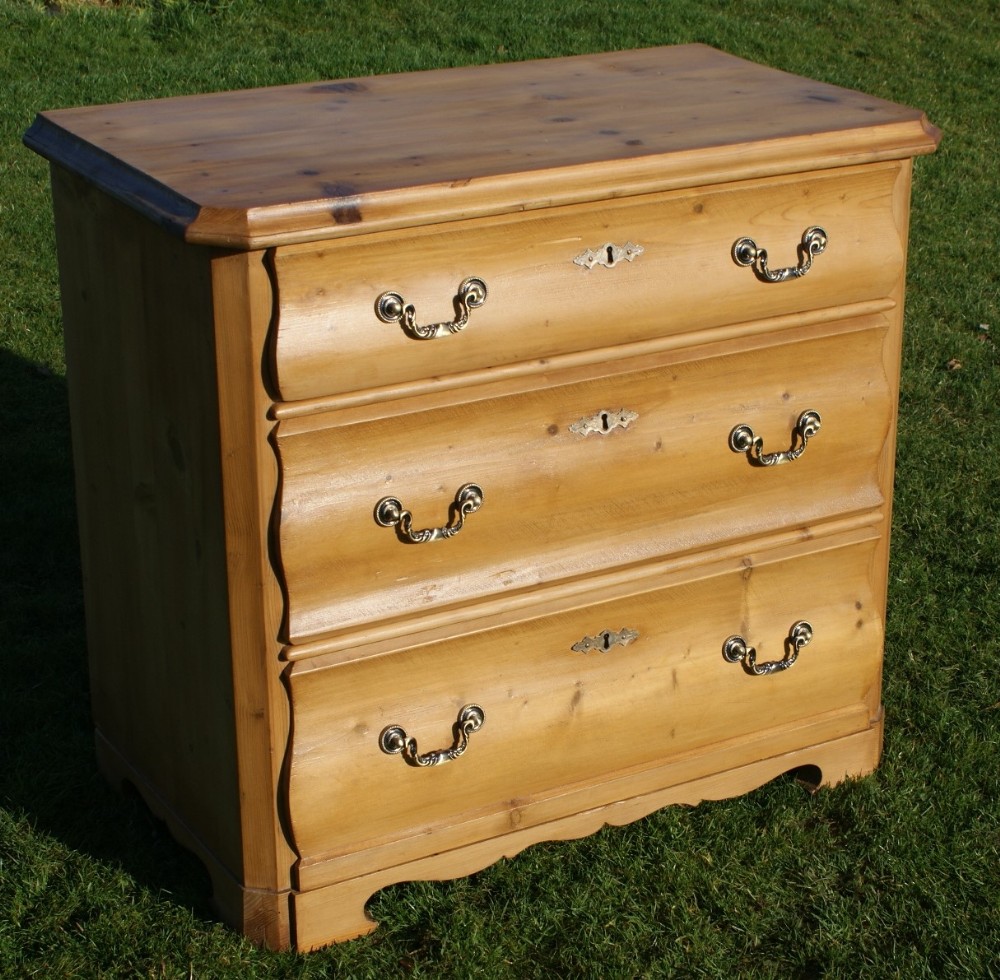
(567, 487)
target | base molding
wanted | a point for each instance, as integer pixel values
(262, 915)
(316, 917)
(336, 912)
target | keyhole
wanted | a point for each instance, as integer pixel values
(607, 640)
(611, 255)
(604, 421)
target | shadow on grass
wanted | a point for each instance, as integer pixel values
(48, 768)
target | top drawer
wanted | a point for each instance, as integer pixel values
(542, 298)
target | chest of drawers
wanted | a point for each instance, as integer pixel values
(438, 418)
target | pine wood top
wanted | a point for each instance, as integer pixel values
(262, 167)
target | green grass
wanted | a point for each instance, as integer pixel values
(895, 876)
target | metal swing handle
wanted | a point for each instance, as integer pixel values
(744, 440)
(735, 650)
(389, 512)
(392, 308)
(748, 253)
(395, 741)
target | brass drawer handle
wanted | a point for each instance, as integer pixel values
(389, 512)
(743, 440)
(392, 308)
(747, 252)
(735, 650)
(395, 741)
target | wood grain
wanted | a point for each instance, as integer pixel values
(174, 498)
(249, 472)
(336, 912)
(238, 410)
(540, 304)
(570, 504)
(624, 790)
(555, 717)
(328, 159)
(145, 437)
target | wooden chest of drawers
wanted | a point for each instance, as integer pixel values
(438, 416)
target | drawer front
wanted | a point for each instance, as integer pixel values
(560, 501)
(558, 718)
(541, 302)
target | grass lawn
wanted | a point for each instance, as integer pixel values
(897, 875)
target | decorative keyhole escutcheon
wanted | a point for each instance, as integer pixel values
(605, 641)
(608, 255)
(604, 422)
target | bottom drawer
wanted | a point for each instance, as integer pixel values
(561, 711)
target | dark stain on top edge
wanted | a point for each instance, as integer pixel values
(346, 209)
(339, 87)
